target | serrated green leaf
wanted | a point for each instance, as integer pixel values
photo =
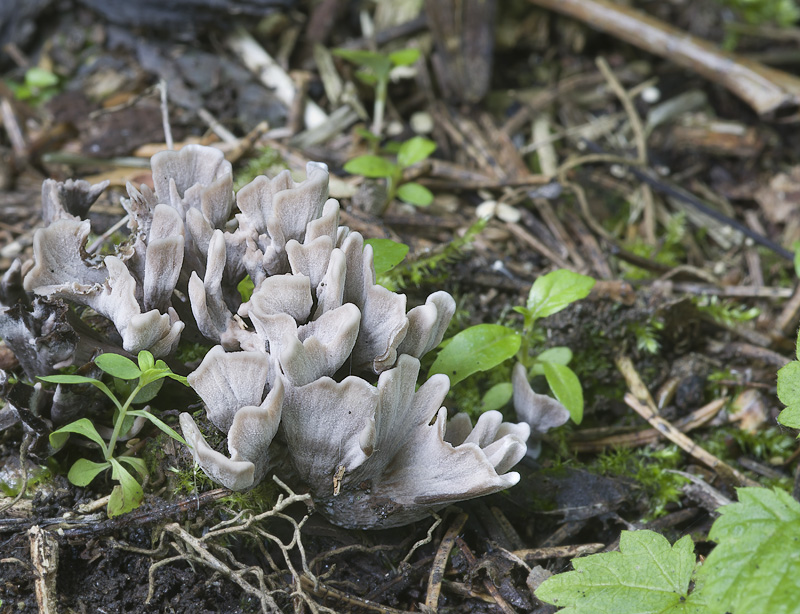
(415, 150)
(158, 422)
(370, 166)
(566, 387)
(790, 417)
(755, 567)
(404, 57)
(83, 427)
(386, 254)
(553, 292)
(478, 348)
(497, 396)
(118, 366)
(789, 383)
(84, 471)
(647, 575)
(415, 194)
(125, 497)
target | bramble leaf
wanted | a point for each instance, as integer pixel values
(117, 366)
(478, 348)
(755, 567)
(567, 388)
(386, 254)
(646, 575)
(553, 292)
(83, 471)
(789, 394)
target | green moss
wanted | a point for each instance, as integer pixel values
(649, 467)
(268, 162)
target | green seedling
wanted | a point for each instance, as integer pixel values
(485, 346)
(410, 152)
(375, 69)
(142, 383)
(39, 86)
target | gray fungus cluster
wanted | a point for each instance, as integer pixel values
(314, 377)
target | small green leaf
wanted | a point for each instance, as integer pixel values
(497, 396)
(553, 292)
(128, 495)
(40, 78)
(386, 254)
(404, 57)
(567, 388)
(367, 135)
(560, 355)
(118, 366)
(157, 421)
(84, 471)
(415, 194)
(149, 392)
(67, 379)
(377, 62)
(245, 288)
(370, 166)
(137, 464)
(145, 360)
(478, 348)
(415, 150)
(646, 575)
(83, 427)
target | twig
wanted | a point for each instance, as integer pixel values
(102, 238)
(648, 177)
(640, 400)
(217, 128)
(13, 130)
(558, 552)
(487, 582)
(426, 540)
(162, 85)
(641, 145)
(257, 60)
(44, 556)
(440, 562)
(764, 89)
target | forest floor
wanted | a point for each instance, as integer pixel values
(680, 195)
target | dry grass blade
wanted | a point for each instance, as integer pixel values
(440, 562)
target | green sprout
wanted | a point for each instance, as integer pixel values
(410, 152)
(485, 346)
(148, 376)
(374, 70)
